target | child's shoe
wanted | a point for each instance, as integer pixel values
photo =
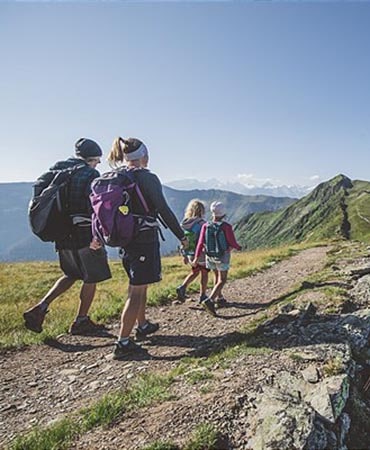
(209, 306)
(202, 298)
(181, 292)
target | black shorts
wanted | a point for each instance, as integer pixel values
(90, 266)
(142, 262)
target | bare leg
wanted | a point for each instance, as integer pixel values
(191, 277)
(60, 286)
(131, 310)
(86, 297)
(141, 318)
(203, 281)
(221, 281)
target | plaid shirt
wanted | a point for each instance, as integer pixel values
(77, 202)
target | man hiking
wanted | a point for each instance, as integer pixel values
(77, 260)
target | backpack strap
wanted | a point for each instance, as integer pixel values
(132, 177)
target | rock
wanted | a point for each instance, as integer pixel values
(318, 438)
(94, 385)
(308, 312)
(329, 397)
(310, 374)
(68, 372)
(344, 426)
(280, 422)
(71, 379)
(285, 309)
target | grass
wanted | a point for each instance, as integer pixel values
(333, 366)
(24, 284)
(147, 390)
(204, 437)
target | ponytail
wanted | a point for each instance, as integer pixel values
(120, 148)
(116, 154)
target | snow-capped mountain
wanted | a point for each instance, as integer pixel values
(268, 188)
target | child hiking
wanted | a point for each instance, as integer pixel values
(217, 239)
(192, 224)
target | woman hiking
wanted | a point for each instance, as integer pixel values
(141, 257)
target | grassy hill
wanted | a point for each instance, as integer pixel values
(338, 208)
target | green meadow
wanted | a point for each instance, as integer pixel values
(24, 284)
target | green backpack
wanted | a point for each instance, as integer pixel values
(192, 236)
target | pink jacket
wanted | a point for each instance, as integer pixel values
(229, 235)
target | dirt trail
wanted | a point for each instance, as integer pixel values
(43, 383)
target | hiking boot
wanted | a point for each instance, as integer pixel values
(34, 318)
(209, 306)
(221, 302)
(181, 292)
(202, 298)
(150, 328)
(87, 327)
(121, 351)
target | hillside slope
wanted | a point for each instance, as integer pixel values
(339, 208)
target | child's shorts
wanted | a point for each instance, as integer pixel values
(221, 264)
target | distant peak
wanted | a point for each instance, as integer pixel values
(342, 180)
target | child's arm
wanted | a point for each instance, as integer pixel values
(230, 237)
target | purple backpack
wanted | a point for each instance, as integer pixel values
(112, 220)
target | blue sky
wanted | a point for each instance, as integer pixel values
(261, 90)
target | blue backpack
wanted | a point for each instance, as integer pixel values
(215, 240)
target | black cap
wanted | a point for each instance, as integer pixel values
(87, 148)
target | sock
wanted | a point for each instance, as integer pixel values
(123, 341)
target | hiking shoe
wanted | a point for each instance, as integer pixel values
(34, 318)
(87, 327)
(221, 302)
(150, 328)
(121, 351)
(181, 292)
(202, 298)
(209, 306)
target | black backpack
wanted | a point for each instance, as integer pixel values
(47, 213)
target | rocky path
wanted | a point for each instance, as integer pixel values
(43, 383)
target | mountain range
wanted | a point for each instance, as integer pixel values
(17, 243)
(338, 208)
(267, 188)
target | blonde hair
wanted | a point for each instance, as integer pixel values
(195, 208)
(120, 147)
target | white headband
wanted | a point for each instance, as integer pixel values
(141, 152)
